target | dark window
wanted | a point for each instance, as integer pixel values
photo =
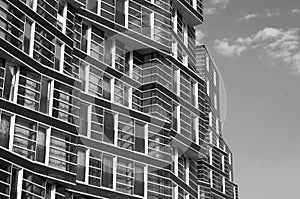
(27, 36)
(92, 5)
(4, 130)
(107, 171)
(45, 95)
(139, 180)
(84, 37)
(9, 84)
(109, 128)
(83, 119)
(139, 137)
(14, 183)
(120, 16)
(106, 87)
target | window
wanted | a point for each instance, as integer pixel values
(45, 95)
(120, 9)
(15, 178)
(92, 5)
(33, 185)
(63, 151)
(84, 37)
(25, 134)
(95, 164)
(106, 87)
(97, 123)
(41, 144)
(4, 130)
(107, 171)
(81, 164)
(124, 175)
(109, 132)
(139, 180)
(27, 36)
(97, 44)
(29, 89)
(146, 23)
(58, 55)
(121, 95)
(125, 132)
(10, 82)
(139, 140)
(83, 124)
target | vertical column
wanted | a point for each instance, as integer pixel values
(146, 181)
(11, 132)
(87, 164)
(187, 170)
(47, 141)
(152, 27)
(89, 119)
(114, 173)
(176, 162)
(126, 6)
(19, 183)
(113, 53)
(146, 138)
(89, 39)
(31, 44)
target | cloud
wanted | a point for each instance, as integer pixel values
(221, 3)
(215, 6)
(199, 37)
(227, 49)
(296, 11)
(282, 45)
(210, 11)
(266, 14)
(248, 16)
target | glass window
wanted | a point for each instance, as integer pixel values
(120, 16)
(81, 164)
(41, 145)
(84, 37)
(139, 180)
(45, 95)
(83, 124)
(124, 175)
(139, 141)
(4, 130)
(10, 82)
(92, 5)
(25, 135)
(146, 24)
(106, 87)
(107, 171)
(27, 36)
(95, 165)
(109, 133)
(29, 89)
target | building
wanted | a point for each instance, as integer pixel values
(106, 99)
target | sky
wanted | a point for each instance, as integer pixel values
(256, 47)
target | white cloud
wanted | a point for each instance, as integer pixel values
(281, 45)
(199, 37)
(221, 3)
(266, 14)
(210, 11)
(296, 10)
(215, 6)
(248, 16)
(227, 49)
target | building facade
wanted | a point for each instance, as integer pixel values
(109, 99)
